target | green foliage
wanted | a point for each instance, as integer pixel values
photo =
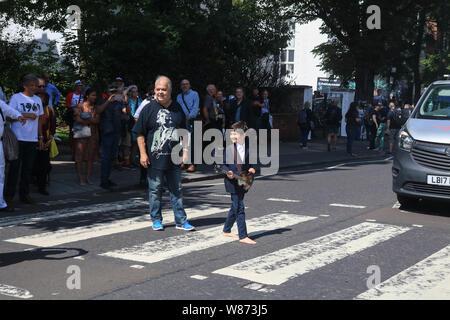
(207, 41)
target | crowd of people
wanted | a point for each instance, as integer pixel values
(101, 127)
(374, 121)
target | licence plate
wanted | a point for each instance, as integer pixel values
(438, 180)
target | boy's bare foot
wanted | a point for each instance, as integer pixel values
(247, 241)
(230, 235)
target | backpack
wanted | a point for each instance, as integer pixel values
(10, 142)
(401, 116)
(302, 117)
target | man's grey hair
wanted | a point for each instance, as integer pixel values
(26, 80)
(164, 77)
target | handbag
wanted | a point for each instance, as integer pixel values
(84, 132)
(10, 142)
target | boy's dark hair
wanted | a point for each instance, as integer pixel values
(239, 125)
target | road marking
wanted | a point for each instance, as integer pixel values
(199, 277)
(220, 195)
(427, 279)
(346, 205)
(15, 292)
(417, 225)
(55, 238)
(396, 205)
(137, 266)
(254, 286)
(282, 200)
(266, 290)
(324, 215)
(79, 258)
(285, 264)
(371, 220)
(71, 212)
(167, 248)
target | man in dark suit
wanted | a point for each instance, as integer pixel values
(239, 108)
(236, 161)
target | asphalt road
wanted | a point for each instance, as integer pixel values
(322, 233)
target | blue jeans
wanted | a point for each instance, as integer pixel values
(352, 133)
(155, 180)
(110, 145)
(236, 213)
(27, 153)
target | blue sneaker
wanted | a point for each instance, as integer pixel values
(185, 226)
(157, 226)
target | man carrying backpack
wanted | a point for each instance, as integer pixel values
(304, 119)
(333, 117)
(396, 118)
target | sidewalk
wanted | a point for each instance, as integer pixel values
(63, 181)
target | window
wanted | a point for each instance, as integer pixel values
(291, 42)
(291, 56)
(283, 56)
(283, 70)
(290, 68)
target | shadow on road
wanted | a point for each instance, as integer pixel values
(428, 207)
(10, 258)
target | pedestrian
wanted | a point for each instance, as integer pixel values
(13, 114)
(30, 136)
(189, 101)
(220, 109)
(109, 110)
(265, 112)
(240, 107)
(304, 118)
(396, 118)
(73, 99)
(237, 162)
(87, 146)
(155, 128)
(257, 104)
(333, 117)
(381, 128)
(209, 109)
(125, 142)
(353, 122)
(52, 91)
(42, 166)
(134, 101)
(2, 95)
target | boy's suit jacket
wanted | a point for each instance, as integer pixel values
(231, 186)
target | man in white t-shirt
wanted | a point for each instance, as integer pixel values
(29, 135)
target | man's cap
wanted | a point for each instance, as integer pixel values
(119, 79)
(78, 83)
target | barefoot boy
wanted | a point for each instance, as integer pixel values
(235, 163)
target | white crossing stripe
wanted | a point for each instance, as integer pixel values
(346, 205)
(199, 277)
(168, 248)
(428, 279)
(15, 292)
(55, 238)
(282, 200)
(280, 266)
(70, 212)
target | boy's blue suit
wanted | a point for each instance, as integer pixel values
(231, 186)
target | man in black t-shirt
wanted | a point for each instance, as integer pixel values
(257, 103)
(156, 130)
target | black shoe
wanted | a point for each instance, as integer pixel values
(7, 209)
(106, 186)
(112, 184)
(27, 199)
(329, 147)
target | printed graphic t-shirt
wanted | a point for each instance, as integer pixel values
(24, 104)
(158, 125)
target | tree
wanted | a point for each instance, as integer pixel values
(224, 42)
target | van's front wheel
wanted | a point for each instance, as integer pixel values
(407, 202)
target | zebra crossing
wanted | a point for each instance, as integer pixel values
(427, 279)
